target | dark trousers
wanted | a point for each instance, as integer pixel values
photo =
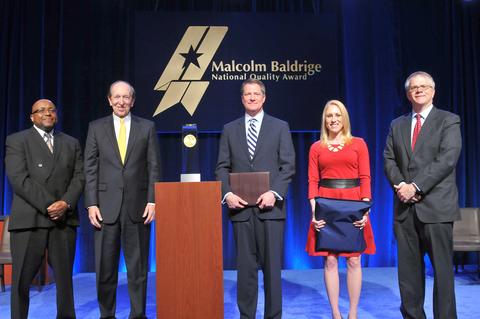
(414, 240)
(28, 253)
(259, 242)
(134, 239)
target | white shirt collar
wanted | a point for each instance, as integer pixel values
(258, 117)
(424, 113)
(126, 118)
(116, 124)
(42, 132)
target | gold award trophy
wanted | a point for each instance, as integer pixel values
(190, 157)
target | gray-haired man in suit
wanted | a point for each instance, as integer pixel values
(121, 167)
(258, 230)
(420, 156)
(45, 168)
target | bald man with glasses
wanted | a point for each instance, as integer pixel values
(45, 169)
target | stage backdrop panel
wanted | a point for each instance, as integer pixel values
(189, 66)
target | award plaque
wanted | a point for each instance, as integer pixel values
(249, 186)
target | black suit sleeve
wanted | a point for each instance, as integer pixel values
(391, 169)
(286, 162)
(77, 182)
(20, 180)
(153, 163)
(91, 168)
(223, 162)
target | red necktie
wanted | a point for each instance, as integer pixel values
(416, 130)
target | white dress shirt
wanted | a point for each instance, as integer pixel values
(42, 134)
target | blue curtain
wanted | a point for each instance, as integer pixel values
(70, 51)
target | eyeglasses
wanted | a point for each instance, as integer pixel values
(422, 87)
(43, 111)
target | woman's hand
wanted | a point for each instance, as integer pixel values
(318, 224)
(362, 222)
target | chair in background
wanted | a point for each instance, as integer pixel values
(5, 255)
(42, 278)
(466, 235)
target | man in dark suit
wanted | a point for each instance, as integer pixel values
(420, 156)
(121, 167)
(45, 170)
(258, 230)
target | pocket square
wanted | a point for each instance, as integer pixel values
(339, 234)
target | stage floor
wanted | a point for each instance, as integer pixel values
(303, 291)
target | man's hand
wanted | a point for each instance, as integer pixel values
(95, 216)
(405, 192)
(415, 199)
(235, 202)
(266, 200)
(56, 211)
(149, 213)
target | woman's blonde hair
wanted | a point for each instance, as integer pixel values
(346, 130)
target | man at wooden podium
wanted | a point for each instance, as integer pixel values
(257, 142)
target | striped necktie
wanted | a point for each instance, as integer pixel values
(48, 139)
(252, 135)
(122, 140)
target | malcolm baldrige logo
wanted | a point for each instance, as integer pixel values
(182, 78)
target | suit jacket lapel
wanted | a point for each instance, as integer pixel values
(263, 131)
(39, 139)
(134, 128)
(46, 155)
(406, 129)
(57, 145)
(242, 136)
(110, 133)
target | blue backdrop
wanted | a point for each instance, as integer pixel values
(70, 51)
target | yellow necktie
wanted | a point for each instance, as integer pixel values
(122, 140)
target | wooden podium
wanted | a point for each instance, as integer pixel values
(188, 222)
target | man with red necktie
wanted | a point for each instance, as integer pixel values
(420, 156)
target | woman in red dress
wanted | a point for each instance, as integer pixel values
(339, 167)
